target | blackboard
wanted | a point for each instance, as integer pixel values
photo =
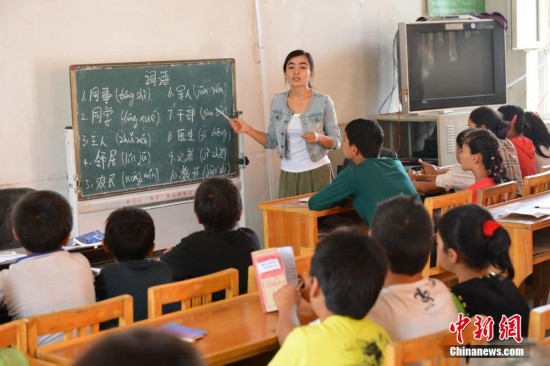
(141, 126)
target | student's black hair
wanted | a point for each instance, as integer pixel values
(485, 143)
(491, 119)
(218, 204)
(460, 137)
(536, 130)
(509, 112)
(403, 228)
(366, 135)
(462, 229)
(297, 53)
(42, 220)
(141, 347)
(129, 233)
(350, 268)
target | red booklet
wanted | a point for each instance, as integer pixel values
(273, 268)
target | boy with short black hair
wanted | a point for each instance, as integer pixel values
(130, 237)
(219, 246)
(409, 305)
(48, 279)
(371, 179)
(347, 273)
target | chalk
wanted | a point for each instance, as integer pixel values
(223, 114)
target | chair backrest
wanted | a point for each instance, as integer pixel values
(194, 292)
(303, 264)
(14, 333)
(536, 183)
(8, 198)
(436, 207)
(445, 202)
(544, 168)
(429, 349)
(80, 321)
(496, 194)
(539, 324)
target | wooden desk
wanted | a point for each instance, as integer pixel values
(288, 222)
(237, 329)
(521, 230)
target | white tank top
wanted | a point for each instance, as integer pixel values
(296, 159)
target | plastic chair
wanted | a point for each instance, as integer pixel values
(539, 324)
(497, 194)
(194, 292)
(80, 321)
(536, 183)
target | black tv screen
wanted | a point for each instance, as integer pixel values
(451, 64)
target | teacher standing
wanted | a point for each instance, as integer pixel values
(303, 127)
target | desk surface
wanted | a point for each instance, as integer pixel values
(237, 329)
(521, 229)
(294, 205)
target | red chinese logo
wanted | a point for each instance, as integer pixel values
(508, 327)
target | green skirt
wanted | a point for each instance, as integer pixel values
(293, 184)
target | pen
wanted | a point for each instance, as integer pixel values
(223, 114)
(543, 207)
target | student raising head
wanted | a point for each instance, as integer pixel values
(536, 130)
(221, 245)
(487, 118)
(409, 305)
(49, 279)
(370, 179)
(515, 116)
(469, 244)
(130, 237)
(480, 155)
(347, 273)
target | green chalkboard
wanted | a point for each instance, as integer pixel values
(144, 126)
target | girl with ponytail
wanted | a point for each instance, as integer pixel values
(471, 244)
(487, 118)
(480, 155)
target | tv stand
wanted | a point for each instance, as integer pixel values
(447, 126)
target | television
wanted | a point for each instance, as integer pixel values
(445, 65)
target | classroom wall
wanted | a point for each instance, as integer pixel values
(351, 41)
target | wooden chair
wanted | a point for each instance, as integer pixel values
(14, 334)
(536, 183)
(436, 207)
(303, 264)
(428, 349)
(539, 324)
(193, 292)
(80, 321)
(544, 168)
(497, 194)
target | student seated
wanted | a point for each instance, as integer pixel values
(219, 246)
(141, 347)
(434, 179)
(371, 179)
(130, 236)
(515, 116)
(481, 155)
(487, 118)
(48, 279)
(347, 273)
(409, 305)
(471, 245)
(535, 129)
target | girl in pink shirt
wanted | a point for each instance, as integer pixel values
(480, 155)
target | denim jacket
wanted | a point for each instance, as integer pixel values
(320, 116)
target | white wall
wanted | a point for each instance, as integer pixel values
(350, 40)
